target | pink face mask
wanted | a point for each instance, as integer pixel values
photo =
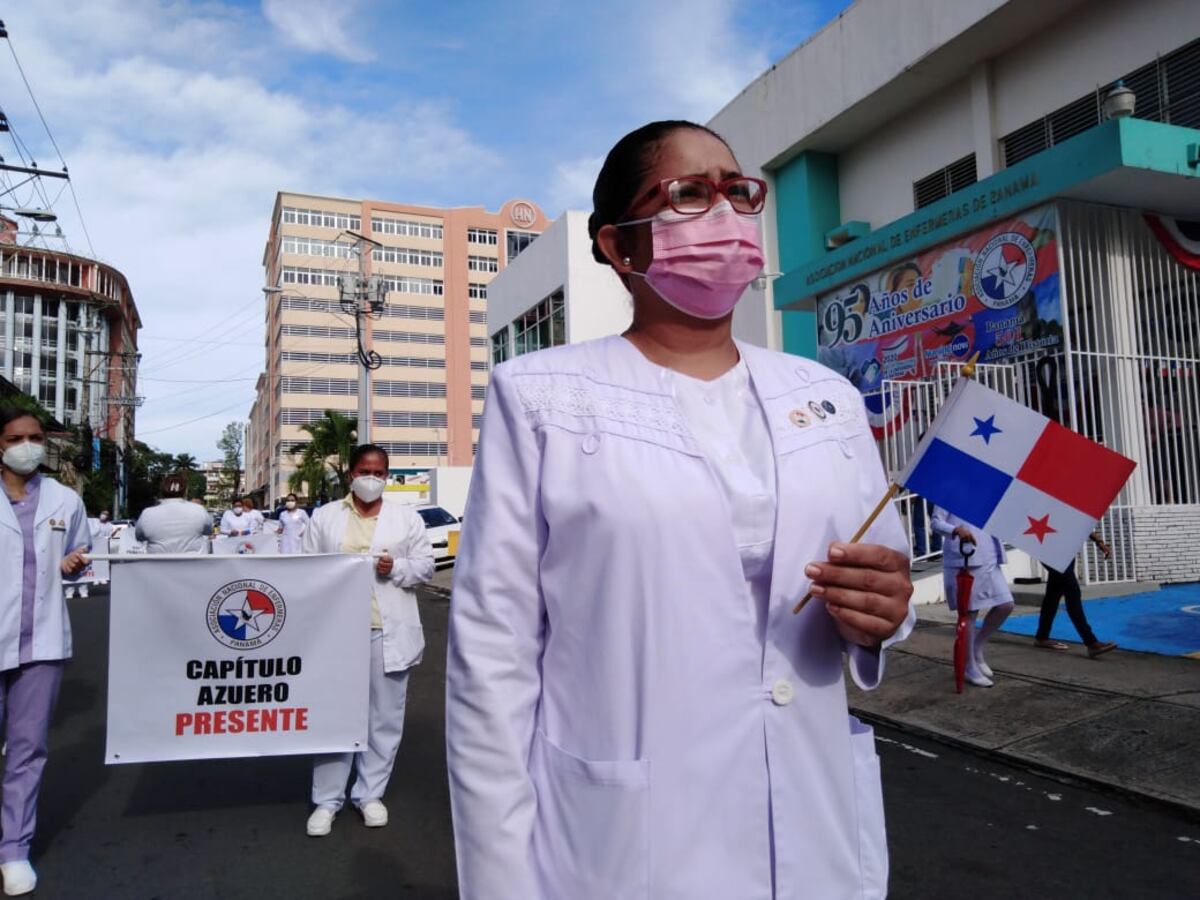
(703, 264)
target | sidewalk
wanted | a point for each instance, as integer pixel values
(1130, 721)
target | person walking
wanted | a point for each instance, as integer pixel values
(236, 522)
(1065, 584)
(293, 524)
(632, 708)
(256, 517)
(990, 594)
(44, 539)
(363, 523)
(174, 525)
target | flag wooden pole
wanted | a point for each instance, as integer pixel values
(862, 529)
(967, 372)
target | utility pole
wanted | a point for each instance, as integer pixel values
(363, 295)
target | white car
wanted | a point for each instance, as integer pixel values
(438, 524)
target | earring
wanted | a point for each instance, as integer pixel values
(627, 261)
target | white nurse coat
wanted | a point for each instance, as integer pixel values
(293, 523)
(615, 727)
(60, 526)
(990, 587)
(401, 533)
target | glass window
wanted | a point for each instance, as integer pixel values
(436, 516)
(517, 241)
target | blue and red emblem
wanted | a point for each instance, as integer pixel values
(246, 614)
(1004, 270)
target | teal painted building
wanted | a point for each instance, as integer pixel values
(1015, 181)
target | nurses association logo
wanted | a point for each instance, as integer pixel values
(246, 614)
(1004, 270)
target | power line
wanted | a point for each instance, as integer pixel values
(37, 106)
(190, 421)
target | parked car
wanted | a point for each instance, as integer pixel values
(438, 524)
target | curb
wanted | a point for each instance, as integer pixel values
(1141, 797)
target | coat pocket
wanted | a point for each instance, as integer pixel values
(592, 837)
(872, 832)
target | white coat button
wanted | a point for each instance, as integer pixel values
(782, 692)
(802, 375)
(591, 444)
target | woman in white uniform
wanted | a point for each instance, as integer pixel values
(293, 523)
(174, 525)
(43, 538)
(990, 593)
(633, 709)
(363, 523)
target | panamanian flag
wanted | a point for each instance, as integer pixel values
(1015, 474)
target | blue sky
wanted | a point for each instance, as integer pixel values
(181, 120)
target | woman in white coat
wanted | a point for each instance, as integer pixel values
(363, 523)
(293, 523)
(43, 538)
(990, 593)
(633, 710)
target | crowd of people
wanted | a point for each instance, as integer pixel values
(45, 541)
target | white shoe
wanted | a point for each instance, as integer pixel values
(320, 823)
(19, 877)
(979, 679)
(374, 814)
(983, 667)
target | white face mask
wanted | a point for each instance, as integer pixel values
(368, 488)
(25, 457)
(291, 504)
(237, 510)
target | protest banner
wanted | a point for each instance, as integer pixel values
(995, 292)
(227, 545)
(226, 656)
(97, 572)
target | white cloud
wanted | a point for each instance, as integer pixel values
(177, 152)
(318, 26)
(571, 185)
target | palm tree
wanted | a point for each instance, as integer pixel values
(186, 463)
(324, 459)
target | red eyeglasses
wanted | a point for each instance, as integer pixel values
(694, 195)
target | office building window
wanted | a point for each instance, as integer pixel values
(321, 219)
(414, 448)
(501, 349)
(477, 291)
(517, 241)
(944, 182)
(406, 227)
(321, 331)
(408, 388)
(542, 326)
(403, 284)
(303, 275)
(485, 236)
(478, 392)
(478, 317)
(316, 247)
(483, 264)
(407, 257)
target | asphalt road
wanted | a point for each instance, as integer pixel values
(959, 826)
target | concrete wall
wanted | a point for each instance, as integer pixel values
(1164, 540)
(597, 304)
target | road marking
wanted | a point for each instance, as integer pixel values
(909, 747)
(1193, 610)
(1098, 812)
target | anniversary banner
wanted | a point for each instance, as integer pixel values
(224, 656)
(995, 291)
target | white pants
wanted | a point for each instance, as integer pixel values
(385, 726)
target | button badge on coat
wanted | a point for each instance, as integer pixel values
(782, 692)
(799, 418)
(591, 443)
(828, 406)
(817, 409)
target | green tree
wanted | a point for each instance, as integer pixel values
(186, 465)
(323, 461)
(230, 444)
